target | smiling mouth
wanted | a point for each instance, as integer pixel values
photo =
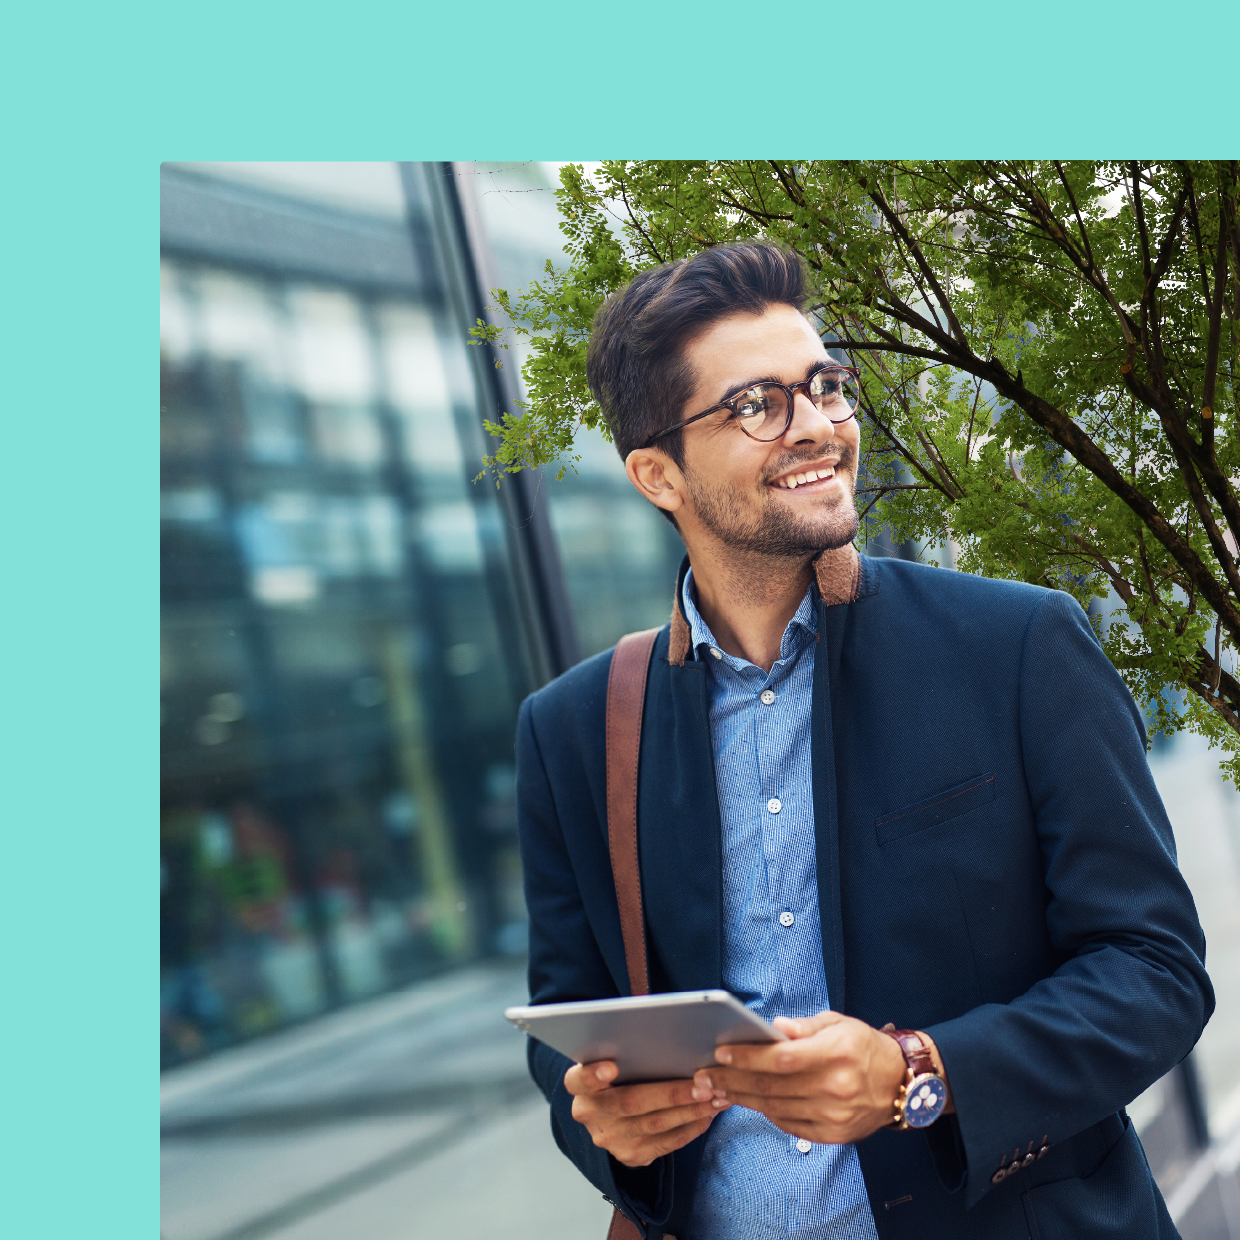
(806, 477)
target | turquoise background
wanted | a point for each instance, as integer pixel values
(94, 99)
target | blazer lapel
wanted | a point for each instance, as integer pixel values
(836, 613)
(831, 624)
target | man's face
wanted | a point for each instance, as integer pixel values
(736, 487)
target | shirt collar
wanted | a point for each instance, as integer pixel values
(802, 628)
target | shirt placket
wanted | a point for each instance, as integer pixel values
(773, 744)
(770, 725)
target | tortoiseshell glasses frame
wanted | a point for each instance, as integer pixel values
(830, 388)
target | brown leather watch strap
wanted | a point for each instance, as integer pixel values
(626, 700)
(917, 1054)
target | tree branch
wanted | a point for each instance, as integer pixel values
(1069, 435)
(1138, 209)
(1080, 223)
(1202, 675)
(1038, 207)
(932, 482)
(876, 196)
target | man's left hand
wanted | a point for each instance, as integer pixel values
(834, 1081)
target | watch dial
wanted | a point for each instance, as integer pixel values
(926, 1099)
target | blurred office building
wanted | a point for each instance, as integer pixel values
(350, 619)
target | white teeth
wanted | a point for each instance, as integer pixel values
(792, 481)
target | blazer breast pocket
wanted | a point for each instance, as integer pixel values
(949, 803)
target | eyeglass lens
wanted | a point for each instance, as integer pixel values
(762, 411)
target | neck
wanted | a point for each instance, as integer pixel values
(748, 599)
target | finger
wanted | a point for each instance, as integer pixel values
(674, 1117)
(680, 1137)
(793, 1056)
(780, 1111)
(646, 1151)
(589, 1078)
(652, 1096)
(803, 1117)
(732, 1082)
(806, 1026)
(622, 1111)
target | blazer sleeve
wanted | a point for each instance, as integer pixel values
(1131, 996)
(566, 964)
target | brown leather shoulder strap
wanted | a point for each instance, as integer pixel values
(622, 1228)
(626, 699)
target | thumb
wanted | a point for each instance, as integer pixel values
(807, 1025)
(589, 1078)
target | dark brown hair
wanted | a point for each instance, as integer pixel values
(636, 366)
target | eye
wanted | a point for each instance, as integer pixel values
(751, 404)
(825, 383)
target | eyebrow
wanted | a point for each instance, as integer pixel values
(737, 388)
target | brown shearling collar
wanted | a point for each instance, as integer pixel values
(838, 574)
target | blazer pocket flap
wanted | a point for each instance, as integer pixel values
(936, 809)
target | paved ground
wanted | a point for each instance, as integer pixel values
(409, 1116)
(412, 1115)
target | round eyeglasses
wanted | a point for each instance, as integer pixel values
(764, 411)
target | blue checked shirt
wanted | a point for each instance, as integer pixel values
(756, 1182)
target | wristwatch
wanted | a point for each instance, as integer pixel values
(923, 1095)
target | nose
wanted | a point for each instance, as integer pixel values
(809, 424)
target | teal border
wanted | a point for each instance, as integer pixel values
(665, 78)
(94, 98)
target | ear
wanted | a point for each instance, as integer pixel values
(656, 477)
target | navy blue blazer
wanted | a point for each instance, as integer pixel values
(994, 866)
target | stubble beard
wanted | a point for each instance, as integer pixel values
(771, 529)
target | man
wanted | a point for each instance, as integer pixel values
(870, 791)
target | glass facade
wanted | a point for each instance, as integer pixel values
(340, 662)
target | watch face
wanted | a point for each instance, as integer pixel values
(924, 1103)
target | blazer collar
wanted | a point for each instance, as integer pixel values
(837, 574)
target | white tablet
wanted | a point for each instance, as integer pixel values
(649, 1037)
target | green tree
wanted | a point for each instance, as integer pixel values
(1049, 359)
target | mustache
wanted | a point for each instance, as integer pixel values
(845, 459)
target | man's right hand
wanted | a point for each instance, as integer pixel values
(638, 1123)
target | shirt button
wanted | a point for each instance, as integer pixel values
(717, 653)
(804, 1146)
(786, 918)
(774, 805)
(767, 697)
